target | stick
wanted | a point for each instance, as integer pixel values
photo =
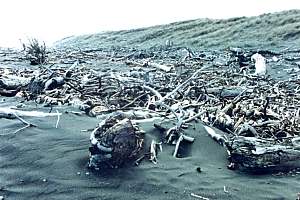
(225, 190)
(20, 129)
(153, 154)
(58, 118)
(23, 121)
(150, 64)
(9, 112)
(222, 139)
(68, 72)
(162, 99)
(133, 101)
(182, 84)
(198, 196)
(159, 66)
(180, 139)
(199, 114)
(155, 92)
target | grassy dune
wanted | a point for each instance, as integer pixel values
(275, 31)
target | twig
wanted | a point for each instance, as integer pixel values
(133, 101)
(153, 151)
(20, 129)
(225, 190)
(68, 73)
(58, 118)
(180, 139)
(222, 139)
(198, 196)
(182, 84)
(23, 121)
(199, 114)
(155, 92)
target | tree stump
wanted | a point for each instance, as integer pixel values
(115, 142)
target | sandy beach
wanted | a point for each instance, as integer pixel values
(49, 163)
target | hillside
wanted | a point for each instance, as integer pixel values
(275, 30)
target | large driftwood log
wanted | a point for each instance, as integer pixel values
(12, 82)
(114, 142)
(251, 152)
(255, 153)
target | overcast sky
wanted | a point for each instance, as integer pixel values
(51, 20)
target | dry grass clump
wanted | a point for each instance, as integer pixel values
(36, 52)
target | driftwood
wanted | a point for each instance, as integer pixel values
(150, 64)
(12, 82)
(219, 88)
(255, 153)
(160, 66)
(114, 142)
(9, 93)
(251, 152)
(179, 140)
(153, 151)
(10, 113)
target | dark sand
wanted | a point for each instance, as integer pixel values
(45, 162)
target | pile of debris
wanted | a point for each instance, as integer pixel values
(258, 113)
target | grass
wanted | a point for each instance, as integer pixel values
(35, 52)
(275, 31)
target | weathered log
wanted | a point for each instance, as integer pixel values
(255, 153)
(54, 83)
(9, 93)
(114, 142)
(12, 82)
(225, 92)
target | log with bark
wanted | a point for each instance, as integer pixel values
(255, 153)
(115, 142)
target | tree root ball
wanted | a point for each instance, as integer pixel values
(115, 142)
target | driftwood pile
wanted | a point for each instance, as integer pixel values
(258, 114)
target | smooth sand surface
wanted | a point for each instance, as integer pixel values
(48, 163)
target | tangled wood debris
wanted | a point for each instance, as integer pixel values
(258, 112)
